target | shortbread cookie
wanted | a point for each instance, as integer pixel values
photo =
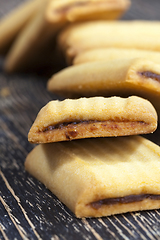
(13, 22)
(71, 11)
(120, 77)
(93, 117)
(102, 176)
(109, 54)
(121, 34)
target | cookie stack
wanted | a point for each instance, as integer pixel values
(86, 158)
(120, 58)
(88, 153)
(30, 42)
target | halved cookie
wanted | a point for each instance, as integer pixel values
(123, 77)
(93, 117)
(102, 176)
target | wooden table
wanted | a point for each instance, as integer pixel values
(27, 209)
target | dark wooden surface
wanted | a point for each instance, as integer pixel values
(27, 209)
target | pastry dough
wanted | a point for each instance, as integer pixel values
(102, 176)
(93, 117)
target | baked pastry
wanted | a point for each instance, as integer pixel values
(109, 54)
(52, 16)
(93, 117)
(30, 42)
(73, 11)
(102, 176)
(15, 21)
(122, 77)
(80, 37)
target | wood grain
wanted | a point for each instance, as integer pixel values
(27, 209)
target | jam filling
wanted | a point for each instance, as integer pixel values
(65, 124)
(75, 123)
(148, 74)
(126, 199)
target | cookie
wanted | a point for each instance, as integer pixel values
(52, 16)
(102, 176)
(73, 11)
(93, 117)
(30, 42)
(109, 54)
(99, 34)
(14, 22)
(123, 77)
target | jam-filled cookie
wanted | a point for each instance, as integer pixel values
(102, 176)
(49, 19)
(12, 24)
(122, 77)
(83, 10)
(30, 42)
(93, 117)
(121, 34)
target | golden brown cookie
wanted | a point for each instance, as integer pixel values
(83, 10)
(123, 77)
(93, 117)
(30, 42)
(52, 16)
(102, 176)
(109, 54)
(15, 21)
(120, 34)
